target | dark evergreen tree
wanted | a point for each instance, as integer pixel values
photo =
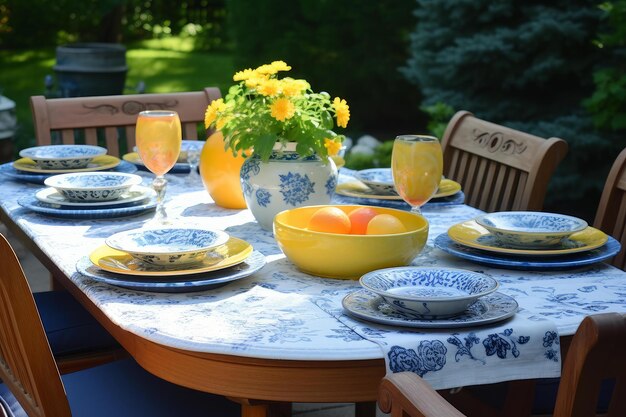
(524, 64)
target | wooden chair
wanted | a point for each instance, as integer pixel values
(32, 385)
(109, 121)
(611, 213)
(595, 354)
(499, 168)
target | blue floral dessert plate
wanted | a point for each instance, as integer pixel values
(175, 284)
(168, 246)
(368, 306)
(231, 253)
(428, 292)
(99, 163)
(380, 180)
(93, 186)
(90, 213)
(530, 229)
(473, 235)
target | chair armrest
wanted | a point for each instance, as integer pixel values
(405, 393)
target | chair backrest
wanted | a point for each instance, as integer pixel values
(611, 213)
(499, 168)
(595, 354)
(27, 366)
(110, 120)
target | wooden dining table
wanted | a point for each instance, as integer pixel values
(297, 345)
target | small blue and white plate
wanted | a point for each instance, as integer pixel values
(135, 195)
(40, 176)
(168, 246)
(62, 156)
(530, 229)
(491, 308)
(93, 186)
(175, 284)
(525, 262)
(429, 292)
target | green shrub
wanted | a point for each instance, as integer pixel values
(351, 49)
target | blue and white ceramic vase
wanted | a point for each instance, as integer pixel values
(284, 182)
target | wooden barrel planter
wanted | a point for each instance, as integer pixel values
(90, 69)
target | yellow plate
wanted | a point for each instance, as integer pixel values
(359, 190)
(99, 163)
(133, 158)
(472, 234)
(233, 252)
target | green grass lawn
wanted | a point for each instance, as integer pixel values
(163, 65)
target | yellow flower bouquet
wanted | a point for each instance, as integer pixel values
(262, 110)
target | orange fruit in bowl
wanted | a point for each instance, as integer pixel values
(359, 218)
(329, 220)
(385, 224)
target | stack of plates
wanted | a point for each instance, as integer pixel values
(30, 170)
(182, 165)
(374, 187)
(469, 240)
(222, 264)
(429, 297)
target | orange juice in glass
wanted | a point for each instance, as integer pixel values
(159, 135)
(417, 167)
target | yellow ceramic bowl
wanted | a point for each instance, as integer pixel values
(346, 256)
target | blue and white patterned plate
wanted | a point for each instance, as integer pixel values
(428, 292)
(378, 179)
(508, 261)
(456, 198)
(35, 205)
(184, 283)
(137, 194)
(38, 177)
(530, 229)
(168, 246)
(93, 186)
(178, 168)
(62, 156)
(368, 306)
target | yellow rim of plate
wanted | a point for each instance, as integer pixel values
(235, 251)
(467, 234)
(98, 163)
(133, 158)
(446, 188)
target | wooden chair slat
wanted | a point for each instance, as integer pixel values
(533, 156)
(611, 212)
(116, 112)
(33, 378)
(91, 136)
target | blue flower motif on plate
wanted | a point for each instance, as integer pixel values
(296, 188)
(263, 197)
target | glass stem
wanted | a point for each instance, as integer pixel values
(416, 210)
(159, 184)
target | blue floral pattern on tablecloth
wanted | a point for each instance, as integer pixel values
(282, 313)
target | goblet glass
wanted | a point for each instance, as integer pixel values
(416, 166)
(159, 137)
(193, 159)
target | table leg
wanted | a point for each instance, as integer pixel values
(255, 408)
(365, 409)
